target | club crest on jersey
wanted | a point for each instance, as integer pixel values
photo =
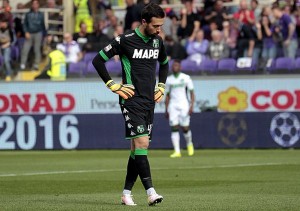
(155, 43)
(140, 129)
(145, 54)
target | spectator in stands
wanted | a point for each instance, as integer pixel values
(102, 6)
(56, 65)
(82, 36)
(51, 4)
(113, 26)
(7, 38)
(217, 49)
(218, 14)
(168, 9)
(190, 21)
(269, 49)
(47, 48)
(34, 28)
(287, 9)
(197, 47)
(132, 16)
(230, 35)
(297, 18)
(70, 48)
(266, 10)
(256, 9)
(109, 13)
(83, 13)
(174, 49)
(18, 23)
(287, 28)
(245, 15)
(245, 39)
(6, 11)
(209, 28)
(97, 39)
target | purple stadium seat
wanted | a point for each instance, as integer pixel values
(297, 65)
(226, 66)
(247, 70)
(75, 70)
(90, 70)
(114, 67)
(189, 66)
(208, 66)
(89, 56)
(283, 65)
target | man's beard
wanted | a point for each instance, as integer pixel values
(147, 33)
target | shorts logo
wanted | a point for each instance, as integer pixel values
(155, 43)
(140, 129)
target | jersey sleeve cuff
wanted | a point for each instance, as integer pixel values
(103, 55)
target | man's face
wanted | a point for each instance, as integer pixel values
(176, 67)
(276, 13)
(35, 5)
(154, 27)
(68, 38)
(3, 25)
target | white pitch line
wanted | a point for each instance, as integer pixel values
(117, 170)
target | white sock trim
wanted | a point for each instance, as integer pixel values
(126, 192)
(175, 136)
(151, 191)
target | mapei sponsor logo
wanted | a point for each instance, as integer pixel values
(145, 53)
(234, 100)
(36, 103)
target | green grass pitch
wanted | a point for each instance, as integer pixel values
(93, 180)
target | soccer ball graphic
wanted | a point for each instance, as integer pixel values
(232, 130)
(284, 129)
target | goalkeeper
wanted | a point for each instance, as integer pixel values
(139, 50)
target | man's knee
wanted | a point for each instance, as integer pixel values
(185, 129)
(175, 128)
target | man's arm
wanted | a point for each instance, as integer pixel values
(100, 67)
(192, 102)
(163, 72)
(123, 90)
(167, 105)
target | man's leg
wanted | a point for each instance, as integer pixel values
(131, 177)
(175, 137)
(24, 55)
(37, 37)
(143, 168)
(187, 133)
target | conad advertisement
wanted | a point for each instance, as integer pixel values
(251, 113)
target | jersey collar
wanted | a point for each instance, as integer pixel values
(145, 38)
(176, 75)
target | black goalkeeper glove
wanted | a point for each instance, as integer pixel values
(159, 92)
(124, 90)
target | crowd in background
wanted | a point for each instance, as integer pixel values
(213, 31)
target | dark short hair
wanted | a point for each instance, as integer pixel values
(176, 61)
(152, 10)
(53, 45)
(275, 6)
